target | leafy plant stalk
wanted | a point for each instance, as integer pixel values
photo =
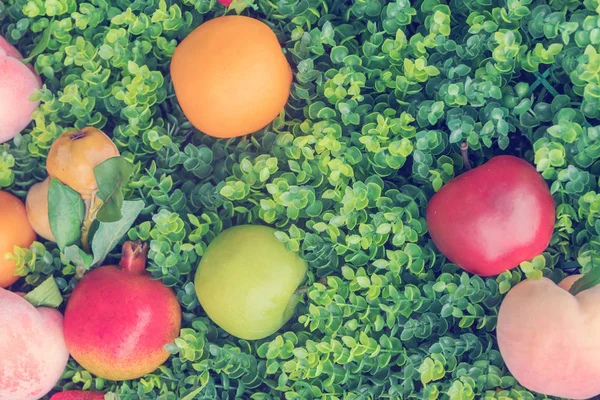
(92, 207)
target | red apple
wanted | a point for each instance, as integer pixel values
(493, 217)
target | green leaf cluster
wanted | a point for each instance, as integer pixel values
(384, 94)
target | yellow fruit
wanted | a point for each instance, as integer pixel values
(37, 209)
(230, 76)
(74, 155)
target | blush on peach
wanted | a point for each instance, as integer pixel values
(18, 82)
(34, 354)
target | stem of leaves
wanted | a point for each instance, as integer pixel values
(304, 289)
(92, 205)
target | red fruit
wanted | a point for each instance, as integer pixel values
(78, 395)
(492, 218)
(118, 320)
(226, 3)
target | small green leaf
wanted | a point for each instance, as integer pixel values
(76, 256)
(504, 286)
(45, 295)
(111, 176)
(241, 5)
(534, 275)
(109, 234)
(42, 44)
(66, 211)
(193, 394)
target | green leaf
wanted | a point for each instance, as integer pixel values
(109, 234)
(42, 44)
(240, 5)
(76, 256)
(66, 212)
(345, 172)
(112, 175)
(193, 394)
(45, 295)
(587, 281)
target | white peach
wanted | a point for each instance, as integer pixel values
(32, 347)
(6, 49)
(18, 82)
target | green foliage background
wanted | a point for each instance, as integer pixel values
(384, 93)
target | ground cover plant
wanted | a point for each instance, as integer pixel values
(387, 98)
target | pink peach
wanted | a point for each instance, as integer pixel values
(34, 354)
(6, 49)
(17, 83)
(548, 337)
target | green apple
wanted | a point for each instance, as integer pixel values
(246, 281)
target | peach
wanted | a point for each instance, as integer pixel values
(17, 83)
(34, 354)
(6, 49)
(37, 209)
(548, 337)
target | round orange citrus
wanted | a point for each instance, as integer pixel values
(15, 230)
(74, 155)
(230, 76)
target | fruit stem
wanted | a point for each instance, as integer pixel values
(464, 150)
(92, 206)
(322, 281)
(134, 256)
(78, 135)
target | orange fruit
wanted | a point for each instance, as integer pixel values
(15, 230)
(230, 76)
(37, 209)
(74, 155)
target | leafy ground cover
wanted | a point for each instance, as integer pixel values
(384, 94)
